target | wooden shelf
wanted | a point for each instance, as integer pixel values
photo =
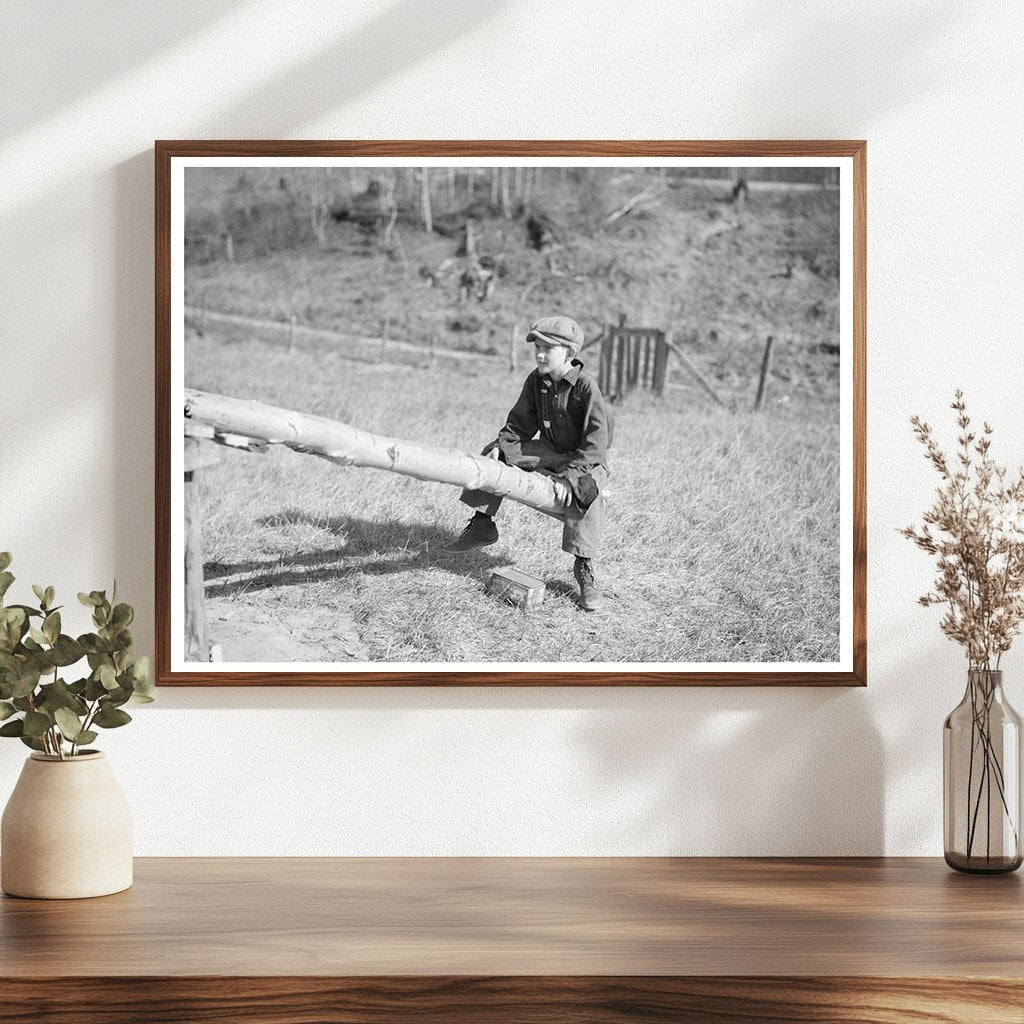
(288, 940)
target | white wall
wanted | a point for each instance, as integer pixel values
(936, 88)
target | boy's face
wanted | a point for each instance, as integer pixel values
(553, 360)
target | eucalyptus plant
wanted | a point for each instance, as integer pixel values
(55, 716)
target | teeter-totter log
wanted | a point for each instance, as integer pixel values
(235, 418)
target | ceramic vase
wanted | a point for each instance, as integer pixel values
(66, 831)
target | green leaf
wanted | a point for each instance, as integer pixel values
(108, 718)
(13, 624)
(22, 703)
(36, 723)
(69, 724)
(122, 616)
(89, 600)
(6, 579)
(94, 645)
(59, 695)
(107, 676)
(142, 680)
(87, 736)
(115, 698)
(67, 651)
(38, 635)
(29, 611)
(5, 559)
(51, 626)
(40, 593)
(31, 741)
(94, 689)
(50, 595)
(15, 728)
(6, 710)
(27, 682)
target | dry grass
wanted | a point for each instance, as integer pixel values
(722, 543)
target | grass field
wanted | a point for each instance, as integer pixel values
(722, 543)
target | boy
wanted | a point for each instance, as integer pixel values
(562, 402)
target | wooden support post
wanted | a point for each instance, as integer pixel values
(645, 376)
(661, 362)
(620, 361)
(198, 455)
(766, 366)
(637, 339)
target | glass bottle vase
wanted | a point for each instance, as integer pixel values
(981, 772)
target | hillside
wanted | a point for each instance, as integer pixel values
(722, 276)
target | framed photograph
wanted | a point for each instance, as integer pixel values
(493, 413)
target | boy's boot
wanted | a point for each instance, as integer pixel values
(479, 533)
(591, 597)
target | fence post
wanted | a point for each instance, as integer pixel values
(661, 360)
(433, 347)
(766, 365)
(197, 640)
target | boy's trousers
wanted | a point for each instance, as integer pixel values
(582, 529)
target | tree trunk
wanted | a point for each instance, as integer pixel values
(348, 446)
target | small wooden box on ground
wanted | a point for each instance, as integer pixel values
(517, 588)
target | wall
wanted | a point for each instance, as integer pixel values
(937, 90)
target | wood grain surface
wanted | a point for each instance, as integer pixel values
(523, 939)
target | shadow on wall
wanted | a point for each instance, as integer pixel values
(41, 61)
(739, 772)
(811, 52)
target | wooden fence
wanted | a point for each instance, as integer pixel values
(632, 357)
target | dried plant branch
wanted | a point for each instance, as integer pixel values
(975, 530)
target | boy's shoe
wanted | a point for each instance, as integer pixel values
(480, 532)
(591, 597)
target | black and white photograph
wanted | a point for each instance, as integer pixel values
(484, 414)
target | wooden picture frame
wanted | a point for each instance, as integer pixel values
(632, 359)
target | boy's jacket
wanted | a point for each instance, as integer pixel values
(570, 414)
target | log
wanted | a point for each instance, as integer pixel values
(345, 445)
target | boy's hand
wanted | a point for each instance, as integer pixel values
(563, 492)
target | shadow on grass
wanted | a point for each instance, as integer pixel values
(395, 546)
